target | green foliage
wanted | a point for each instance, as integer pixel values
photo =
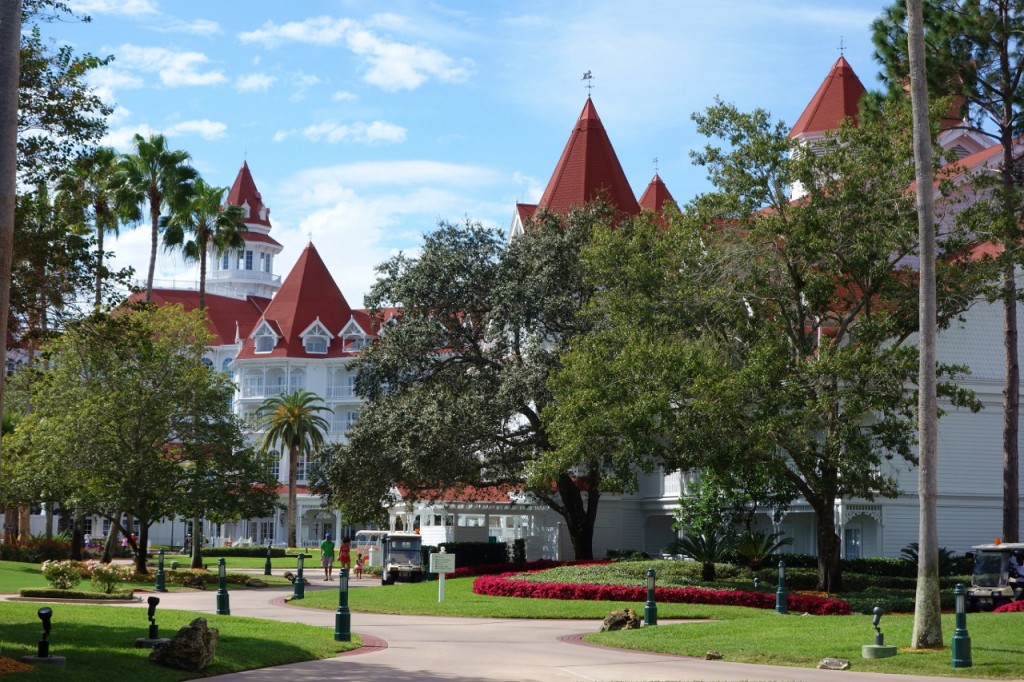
(947, 561)
(35, 550)
(62, 575)
(758, 547)
(455, 387)
(708, 548)
(34, 593)
(254, 551)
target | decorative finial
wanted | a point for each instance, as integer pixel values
(590, 86)
(841, 48)
(655, 160)
(310, 235)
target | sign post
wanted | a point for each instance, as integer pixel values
(441, 563)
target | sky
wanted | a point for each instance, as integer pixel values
(366, 122)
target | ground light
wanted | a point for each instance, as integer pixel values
(161, 585)
(154, 631)
(223, 601)
(299, 587)
(780, 594)
(650, 608)
(343, 617)
(961, 638)
(878, 649)
(43, 651)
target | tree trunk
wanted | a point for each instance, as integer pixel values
(293, 482)
(154, 217)
(830, 576)
(140, 547)
(202, 277)
(111, 542)
(48, 528)
(10, 70)
(579, 516)
(927, 607)
(197, 542)
(100, 229)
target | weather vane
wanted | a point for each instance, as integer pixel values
(655, 160)
(590, 86)
(841, 48)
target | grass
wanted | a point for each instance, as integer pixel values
(97, 642)
(740, 634)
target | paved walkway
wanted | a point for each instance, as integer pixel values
(432, 649)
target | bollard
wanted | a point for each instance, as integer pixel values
(223, 602)
(343, 617)
(299, 587)
(780, 595)
(266, 566)
(961, 638)
(161, 585)
(650, 608)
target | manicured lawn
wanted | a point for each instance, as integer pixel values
(98, 642)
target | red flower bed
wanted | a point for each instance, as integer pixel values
(1005, 608)
(502, 586)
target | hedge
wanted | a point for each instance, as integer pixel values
(503, 585)
(51, 593)
(275, 552)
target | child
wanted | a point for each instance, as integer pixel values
(359, 565)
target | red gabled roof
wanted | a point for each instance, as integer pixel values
(260, 237)
(308, 293)
(588, 170)
(836, 99)
(244, 192)
(223, 313)
(656, 195)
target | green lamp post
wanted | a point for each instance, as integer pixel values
(961, 639)
(299, 588)
(161, 585)
(223, 602)
(650, 608)
(780, 594)
(266, 566)
(343, 617)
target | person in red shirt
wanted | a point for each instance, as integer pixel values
(345, 553)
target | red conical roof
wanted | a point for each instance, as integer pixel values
(309, 292)
(836, 99)
(588, 170)
(244, 192)
(656, 195)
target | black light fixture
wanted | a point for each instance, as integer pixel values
(45, 614)
(154, 631)
(223, 601)
(879, 637)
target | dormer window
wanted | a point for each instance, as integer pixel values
(353, 338)
(264, 338)
(246, 209)
(316, 339)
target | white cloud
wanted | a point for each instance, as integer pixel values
(199, 27)
(254, 82)
(318, 31)
(377, 131)
(105, 81)
(319, 180)
(174, 68)
(204, 128)
(121, 138)
(344, 96)
(397, 66)
(390, 65)
(302, 82)
(127, 7)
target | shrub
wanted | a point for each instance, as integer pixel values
(73, 594)
(62, 575)
(256, 551)
(35, 550)
(502, 586)
(758, 547)
(106, 576)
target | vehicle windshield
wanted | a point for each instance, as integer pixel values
(990, 569)
(405, 551)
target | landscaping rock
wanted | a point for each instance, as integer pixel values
(192, 649)
(625, 619)
(834, 664)
(713, 656)
(254, 582)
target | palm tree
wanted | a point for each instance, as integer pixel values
(757, 547)
(159, 177)
(86, 192)
(207, 223)
(291, 422)
(707, 548)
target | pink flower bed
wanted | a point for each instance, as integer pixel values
(502, 586)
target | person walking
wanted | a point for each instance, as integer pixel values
(345, 553)
(359, 565)
(327, 556)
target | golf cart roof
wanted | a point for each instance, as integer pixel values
(1001, 547)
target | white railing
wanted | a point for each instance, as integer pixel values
(343, 391)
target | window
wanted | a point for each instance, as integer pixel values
(275, 464)
(226, 365)
(302, 468)
(207, 363)
(265, 343)
(316, 344)
(263, 262)
(350, 419)
(296, 381)
(224, 261)
(853, 543)
(248, 260)
(254, 387)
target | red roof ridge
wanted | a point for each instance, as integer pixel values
(656, 195)
(588, 170)
(244, 193)
(837, 98)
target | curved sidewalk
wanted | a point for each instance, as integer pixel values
(432, 649)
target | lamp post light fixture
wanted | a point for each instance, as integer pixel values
(961, 639)
(343, 617)
(780, 594)
(650, 608)
(223, 601)
(299, 587)
(45, 614)
(757, 583)
(161, 585)
(266, 566)
(879, 637)
(154, 631)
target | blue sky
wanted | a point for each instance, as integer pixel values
(366, 122)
